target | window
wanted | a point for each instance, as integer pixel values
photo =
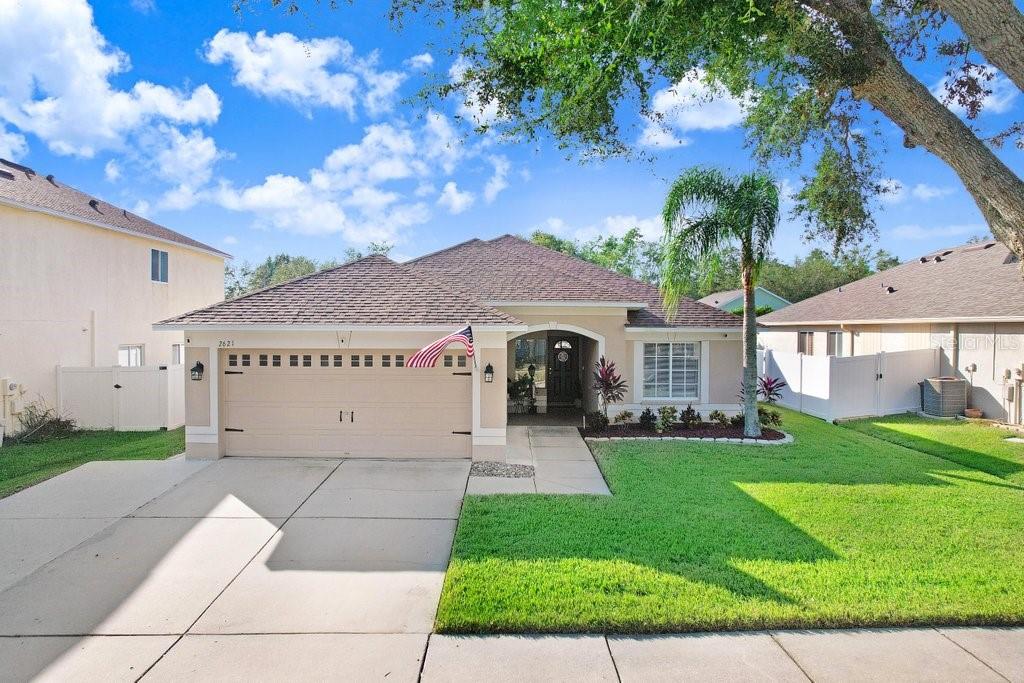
(276, 362)
(245, 360)
(399, 361)
(834, 347)
(307, 361)
(263, 360)
(672, 370)
(461, 361)
(368, 361)
(157, 265)
(325, 360)
(337, 360)
(563, 344)
(177, 354)
(130, 356)
(355, 360)
(447, 361)
(233, 360)
(385, 361)
(293, 361)
(805, 343)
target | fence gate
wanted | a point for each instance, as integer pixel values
(127, 399)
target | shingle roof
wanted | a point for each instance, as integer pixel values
(979, 281)
(509, 268)
(717, 298)
(23, 186)
(371, 291)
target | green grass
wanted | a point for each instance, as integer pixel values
(974, 444)
(24, 465)
(837, 529)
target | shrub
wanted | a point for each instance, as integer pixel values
(666, 417)
(718, 416)
(736, 420)
(597, 420)
(647, 419)
(39, 423)
(770, 388)
(690, 418)
(624, 417)
(608, 384)
(769, 417)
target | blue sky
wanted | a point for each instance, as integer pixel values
(263, 133)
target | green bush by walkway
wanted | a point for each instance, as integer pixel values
(974, 444)
(838, 529)
(22, 466)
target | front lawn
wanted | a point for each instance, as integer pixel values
(837, 529)
(23, 465)
(971, 443)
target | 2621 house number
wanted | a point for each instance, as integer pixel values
(225, 343)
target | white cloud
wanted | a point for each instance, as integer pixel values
(686, 106)
(12, 145)
(999, 101)
(321, 72)
(926, 192)
(499, 180)
(472, 108)
(57, 82)
(453, 199)
(185, 161)
(112, 171)
(914, 231)
(421, 61)
(616, 225)
(230, 240)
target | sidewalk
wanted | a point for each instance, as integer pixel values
(922, 654)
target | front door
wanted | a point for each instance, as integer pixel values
(563, 370)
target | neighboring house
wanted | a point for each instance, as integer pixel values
(967, 301)
(81, 282)
(732, 300)
(316, 366)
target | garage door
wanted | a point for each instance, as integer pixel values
(355, 403)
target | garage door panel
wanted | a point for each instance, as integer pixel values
(385, 411)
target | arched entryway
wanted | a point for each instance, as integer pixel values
(549, 367)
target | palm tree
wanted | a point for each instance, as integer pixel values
(705, 213)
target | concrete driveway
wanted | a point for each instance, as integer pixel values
(232, 570)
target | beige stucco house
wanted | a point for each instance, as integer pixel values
(317, 366)
(81, 282)
(967, 301)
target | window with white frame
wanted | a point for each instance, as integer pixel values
(130, 355)
(177, 354)
(672, 370)
(157, 265)
(835, 344)
(805, 343)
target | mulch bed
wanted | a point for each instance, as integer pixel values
(707, 430)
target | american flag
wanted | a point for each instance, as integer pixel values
(428, 355)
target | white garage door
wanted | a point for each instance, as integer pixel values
(352, 403)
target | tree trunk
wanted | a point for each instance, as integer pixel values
(995, 29)
(925, 121)
(751, 421)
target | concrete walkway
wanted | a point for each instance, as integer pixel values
(561, 460)
(948, 654)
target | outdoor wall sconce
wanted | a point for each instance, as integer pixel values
(197, 372)
(489, 373)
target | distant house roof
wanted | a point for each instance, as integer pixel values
(981, 282)
(720, 299)
(22, 187)
(463, 283)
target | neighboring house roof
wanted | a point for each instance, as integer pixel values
(511, 269)
(371, 291)
(462, 283)
(720, 299)
(971, 282)
(22, 187)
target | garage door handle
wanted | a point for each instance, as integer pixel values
(117, 386)
(465, 374)
(341, 416)
(352, 416)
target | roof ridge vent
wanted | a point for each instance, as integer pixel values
(924, 259)
(6, 174)
(17, 166)
(94, 204)
(939, 259)
(49, 177)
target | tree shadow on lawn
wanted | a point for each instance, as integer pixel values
(689, 511)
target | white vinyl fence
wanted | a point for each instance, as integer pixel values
(835, 388)
(126, 399)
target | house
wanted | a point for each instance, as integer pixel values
(732, 300)
(967, 301)
(317, 366)
(81, 282)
